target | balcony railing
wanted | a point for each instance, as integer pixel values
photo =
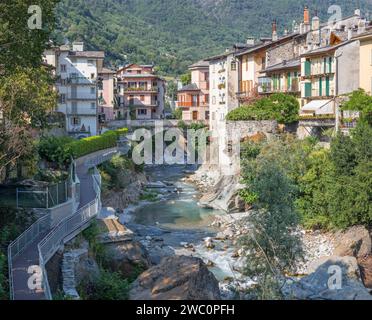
(81, 81)
(141, 89)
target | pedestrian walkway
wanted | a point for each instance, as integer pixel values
(30, 256)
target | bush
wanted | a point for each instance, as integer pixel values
(59, 150)
(280, 107)
(108, 286)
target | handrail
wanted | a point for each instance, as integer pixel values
(52, 242)
(21, 243)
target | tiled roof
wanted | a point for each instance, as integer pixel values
(107, 70)
(326, 49)
(189, 87)
(88, 54)
(284, 65)
(200, 64)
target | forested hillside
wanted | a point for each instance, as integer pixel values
(174, 33)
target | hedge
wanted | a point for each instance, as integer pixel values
(109, 139)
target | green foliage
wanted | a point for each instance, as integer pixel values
(175, 33)
(271, 246)
(360, 101)
(280, 107)
(116, 172)
(89, 145)
(186, 78)
(332, 186)
(109, 286)
(55, 149)
(177, 114)
(97, 249)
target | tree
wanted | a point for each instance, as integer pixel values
(360, 101)
(186, 79)
(271, 246)
(19, 45)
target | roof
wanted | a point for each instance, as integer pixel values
(189, 87)
(200, 64)
(319, 107)
(290, 64)
(107, 70)
(88, 54)
(366, 34)
(266, 45)
(140, 75)
(326, 49)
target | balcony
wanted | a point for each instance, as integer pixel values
(78, 98)
(140, 90)
(81, 111)
(81, 81)
(190, 104)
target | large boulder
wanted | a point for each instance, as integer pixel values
(355, 242)
(365, 265)
(332, 278)
(176, 278)
(127, 257)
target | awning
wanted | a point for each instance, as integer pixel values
(319, 107)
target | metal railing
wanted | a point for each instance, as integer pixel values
(23, 241)
(77, 221)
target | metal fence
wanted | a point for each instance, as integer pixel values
(76, 222)
(23, 241)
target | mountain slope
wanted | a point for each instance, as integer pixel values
(174, 33)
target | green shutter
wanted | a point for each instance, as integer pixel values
(289, 81)
(327, 86)
(308, 89)
(320, 88)
(330, 64)
(307, 68)
(325, 65)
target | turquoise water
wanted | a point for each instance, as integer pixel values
(179, 210)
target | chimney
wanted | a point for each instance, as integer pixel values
(357, 12)
(349, 33)
(306, 15)
(361, 26)
(315, 23)
(78, 46)
(250, 41)
(274, 33)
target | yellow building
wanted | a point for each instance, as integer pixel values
(365, 52)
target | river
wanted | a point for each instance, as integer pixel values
(180, 221)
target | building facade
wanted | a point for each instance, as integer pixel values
(106, 95)
(140, 93)
(77, 85)
(193, 99)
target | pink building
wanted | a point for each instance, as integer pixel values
(194, 98)
(106, 96)
(140, 93)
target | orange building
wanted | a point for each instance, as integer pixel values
(193, 99)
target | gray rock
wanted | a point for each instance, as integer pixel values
(321, 283)
(125, 257)
(176, 278)
(355, 242)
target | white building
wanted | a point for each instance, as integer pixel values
(77, 73)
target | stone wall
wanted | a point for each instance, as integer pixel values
(251, 128)
(280, 53)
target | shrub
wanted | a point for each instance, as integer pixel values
(55, 149)
(280, 107)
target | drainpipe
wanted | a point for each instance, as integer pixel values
(336, 94)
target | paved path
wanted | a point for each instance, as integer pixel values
(30, 257)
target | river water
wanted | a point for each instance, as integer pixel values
(185, 221)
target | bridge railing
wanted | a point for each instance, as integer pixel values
(56, 238)
(22, 242)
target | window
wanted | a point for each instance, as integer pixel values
(63, 68)
(142, 112)
(63, 82)
(206, 98)
(213, 100)
(233, 66)
(206, 115)
(91, 62)
(73, 60)
(93, 105)
(62, 98)
(142, 98)
(75, 121)
(92, 75)
(92, 90)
